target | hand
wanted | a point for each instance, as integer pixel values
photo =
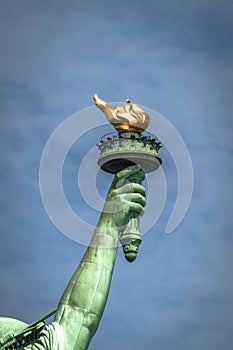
(125, 198)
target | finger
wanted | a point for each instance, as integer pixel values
(132, 174)
(137, 177)
(130, 188)
(135, 198)
(137, 188)
(136, 208)
(127, 172)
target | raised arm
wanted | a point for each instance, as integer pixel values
(82, 304)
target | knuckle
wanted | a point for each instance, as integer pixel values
(138, 188)
(114, 194)
(129, 187)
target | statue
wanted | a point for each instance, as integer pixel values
(82, 304)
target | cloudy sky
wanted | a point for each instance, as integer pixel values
(174, 57)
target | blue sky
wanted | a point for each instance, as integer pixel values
(174, 57)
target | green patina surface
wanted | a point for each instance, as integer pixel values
(82, 304)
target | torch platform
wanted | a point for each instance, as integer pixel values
(126, 148)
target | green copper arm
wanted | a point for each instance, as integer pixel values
(82, 304)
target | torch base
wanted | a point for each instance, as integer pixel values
(117, 162)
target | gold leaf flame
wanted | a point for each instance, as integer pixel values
(127, 117)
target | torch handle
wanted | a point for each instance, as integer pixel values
(134, 222)
(131, 237)
(133, 225)
(132, 228)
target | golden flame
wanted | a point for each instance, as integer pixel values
(127, 117)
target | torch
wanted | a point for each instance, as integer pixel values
(128, 146)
